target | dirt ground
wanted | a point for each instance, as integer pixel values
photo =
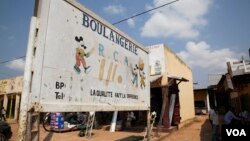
(199, 130)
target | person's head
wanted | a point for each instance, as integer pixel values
(232, 109)
(211, 107)
(244, 109)
(216, 109)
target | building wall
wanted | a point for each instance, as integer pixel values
(244, 94)
(201, 101)
(10, 95)
(244, 89)
(200, 95)
(176, 67)
(11, 85)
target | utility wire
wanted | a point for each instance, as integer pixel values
(144, 12)
(112, 24)
(7, 75)
(11, 60)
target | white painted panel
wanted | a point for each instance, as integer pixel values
(83, 63)
(156, 59)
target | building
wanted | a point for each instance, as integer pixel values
(171, 87)
(201, 101)
(213, 80)
(10, 96)
(233, 88)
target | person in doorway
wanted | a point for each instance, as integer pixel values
(128, 122)
(230, 117)
(3, 113)
(133, 118)
(215, 125)
(210, 113)
(130, 119)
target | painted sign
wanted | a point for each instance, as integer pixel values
(83, 63)
(156, 59)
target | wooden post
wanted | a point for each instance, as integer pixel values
(164, 103)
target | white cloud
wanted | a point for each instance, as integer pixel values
(17, 64)
(131, 22)
(181, 19)
(114, 9)
(201, 55)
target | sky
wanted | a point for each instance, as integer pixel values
(203, 33)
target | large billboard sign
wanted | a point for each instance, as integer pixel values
(83, 63)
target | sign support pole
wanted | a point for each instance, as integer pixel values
(27, 83)
(113, 123)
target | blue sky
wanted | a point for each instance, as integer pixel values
(204, 33)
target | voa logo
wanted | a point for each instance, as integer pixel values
(236, 132)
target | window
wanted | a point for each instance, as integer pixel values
(199, 104)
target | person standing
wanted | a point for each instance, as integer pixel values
(210, 113)
(230, 116)
(3, 113)
(133, 118)
(215, 125)
(244, 115)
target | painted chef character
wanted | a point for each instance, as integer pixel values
(135, 75)
(80, 56)
(142, 81)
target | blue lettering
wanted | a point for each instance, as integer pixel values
(101, 50)
(85, 20)
(104, 32)
(93, 25)
(99, 28)
(122, 42)
(111, 36)
(117, 39)
(130, 46)
(126, 43)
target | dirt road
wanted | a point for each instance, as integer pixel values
(199, 130)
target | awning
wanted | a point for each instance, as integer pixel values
(178, 78)
(155, 80)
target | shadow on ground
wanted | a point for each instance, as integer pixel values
(206, 130)
(131, 138)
